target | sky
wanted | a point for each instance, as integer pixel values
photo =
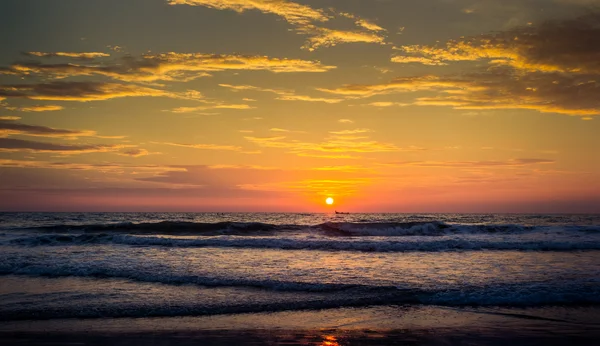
(481, 106)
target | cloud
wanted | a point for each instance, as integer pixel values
(283, 94)
(85, 91)
(351, 132)
(387, 104)
(580, 2)
(276, 129)
(346, 168)
(346, 121)
(100, 167)
(204, 146)
(208, 106)
(9, 117)
(369, 25)
(8, 128)
(303, 17)
(308, 98)
(329, 156)
(217, 176)
(220, 62)
(84, 55)
(333, 144)
(403, 59)
(324, 37)
(475, 164)
(255, 88)
(543, 92)
(494, 89)
(15, 145)
(401, 84)
(136, 152)
(360, 22)
(568, 46)
(37, 108)
(171, 66)
(292, 12)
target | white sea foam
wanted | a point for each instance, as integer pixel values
(546, 241)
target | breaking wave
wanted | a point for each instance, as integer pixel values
(363, 244)
(350, 229)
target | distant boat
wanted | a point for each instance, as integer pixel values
(342, 213)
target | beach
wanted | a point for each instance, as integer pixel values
(390, 325)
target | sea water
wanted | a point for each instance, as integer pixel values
(56, 266)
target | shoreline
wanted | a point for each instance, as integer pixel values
(407, 325)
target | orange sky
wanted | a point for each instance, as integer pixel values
(255, 105)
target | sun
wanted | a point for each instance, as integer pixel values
(329, 201)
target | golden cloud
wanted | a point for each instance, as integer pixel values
(292, 12)
(170, 66)
(388, 104)
(87, 91)
(324, 37)
(210, 106)
(568, 46)
(401, 84)
(332, 144)
(102, 167)
(303, 17)
(472, 164)
(37, 108)
(11, 128)
(494, 89)
(283, 94)
(81, 55)
(203, 146)
(17, 145)
(138, 152)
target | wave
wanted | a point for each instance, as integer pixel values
(353, 229)
(168, 227)
(302, 296)
(423, 244)
(173, 279)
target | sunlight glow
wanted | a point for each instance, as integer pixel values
(329, 201)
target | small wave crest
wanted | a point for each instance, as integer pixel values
(170, 227)
(424, 228)
(422, 244)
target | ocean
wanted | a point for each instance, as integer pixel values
(356, 278)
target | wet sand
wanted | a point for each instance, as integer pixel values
(389, 325)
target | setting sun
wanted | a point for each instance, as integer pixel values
(329, 201)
